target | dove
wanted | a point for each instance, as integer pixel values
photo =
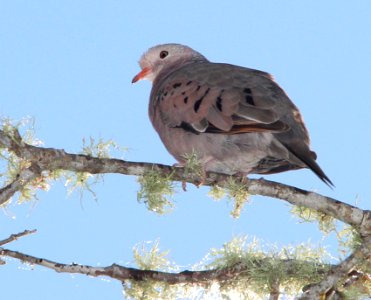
(236, 120)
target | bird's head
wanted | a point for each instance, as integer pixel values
(165, 57)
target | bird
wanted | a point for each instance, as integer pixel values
(236, 120)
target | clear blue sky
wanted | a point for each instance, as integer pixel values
(69, 64)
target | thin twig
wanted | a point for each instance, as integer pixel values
(16, 236)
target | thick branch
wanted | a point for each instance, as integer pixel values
(354, 216)
(359, 256)
(49, 159)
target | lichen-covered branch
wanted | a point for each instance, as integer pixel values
(275, 291)
(24, 177)
(205, 277)
(49, 159)
(360, 256)
(124, 273)
(354, 216)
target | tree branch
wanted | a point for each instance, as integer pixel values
(354, 216)
(16, 236)
(23, 178)
(202, 278)
(49, 159)
(275, 291)
(122, 273)
(12, 238)
(359, 256)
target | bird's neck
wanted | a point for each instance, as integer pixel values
(169, 69)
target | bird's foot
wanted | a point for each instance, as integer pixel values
(198, 182)
(201, 179)
(242, 177)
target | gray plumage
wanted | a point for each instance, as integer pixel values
(236, 119)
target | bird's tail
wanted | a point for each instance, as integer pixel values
(312, 164)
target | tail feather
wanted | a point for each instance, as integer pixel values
(312, 164)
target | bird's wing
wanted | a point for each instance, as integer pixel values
(226, 99)
(218, 98)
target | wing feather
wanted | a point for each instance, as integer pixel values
(218, 102)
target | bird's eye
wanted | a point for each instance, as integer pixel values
(163, 54)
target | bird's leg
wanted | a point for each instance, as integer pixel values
(202, 178)
(198, 183)
(184, 185)
(242, 176)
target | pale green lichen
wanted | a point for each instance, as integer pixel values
(325, 222)
(150, 258)
(237, 192)
(216, 192)
(74, 181)
(101, 149)
(84, 181)
(235, 189)
(259, 267)
(81, 182)
(14, 165)
(193, 166)
(262, 268)
(156, 191)
(23, 128)
(348, 237)
(28, 192)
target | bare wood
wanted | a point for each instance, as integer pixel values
(16, 236)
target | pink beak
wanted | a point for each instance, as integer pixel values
(142, 74)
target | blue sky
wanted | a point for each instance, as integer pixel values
(69, 65)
